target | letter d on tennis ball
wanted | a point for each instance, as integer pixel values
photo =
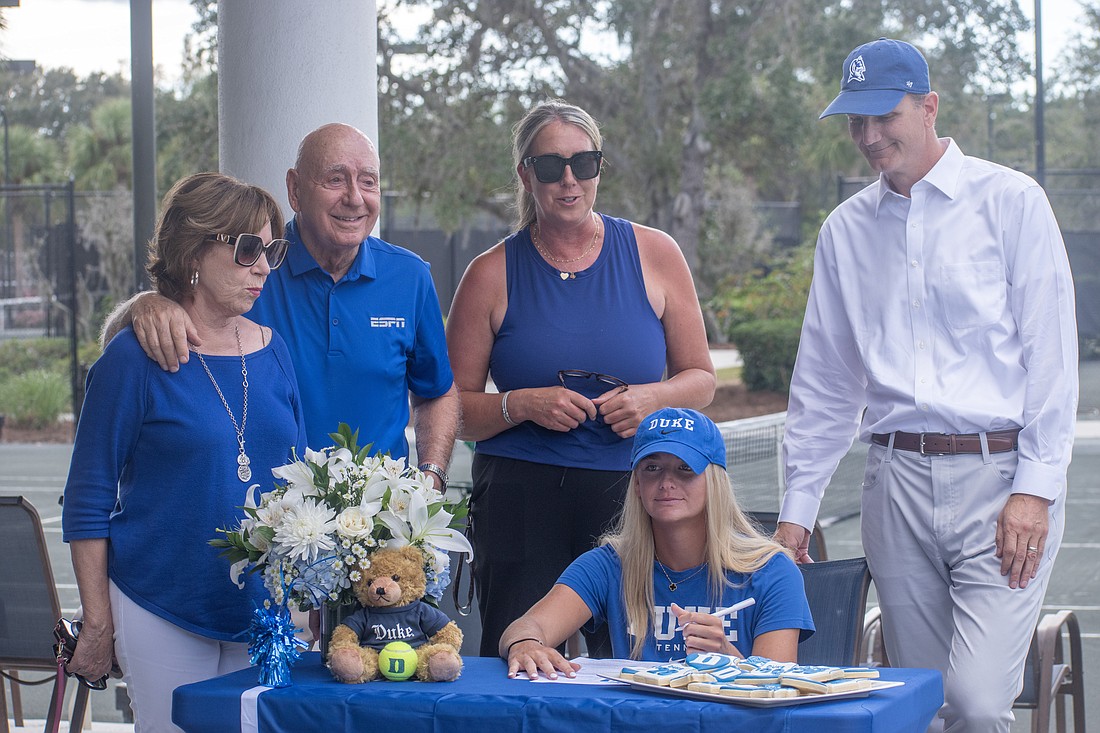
(397, 661)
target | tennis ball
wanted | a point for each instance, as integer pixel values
(397, 661)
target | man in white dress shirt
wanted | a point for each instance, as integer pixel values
(940, 323)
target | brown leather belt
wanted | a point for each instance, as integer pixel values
(941, 444)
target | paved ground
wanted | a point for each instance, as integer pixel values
(38, 472)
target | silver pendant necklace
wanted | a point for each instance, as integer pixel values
(672, 586)
(244, 473)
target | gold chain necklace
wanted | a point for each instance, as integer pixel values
(672, 586)
(561, 273)
(244, 473)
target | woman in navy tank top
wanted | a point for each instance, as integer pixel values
(586, 324)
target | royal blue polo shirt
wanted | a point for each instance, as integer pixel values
(362, 344)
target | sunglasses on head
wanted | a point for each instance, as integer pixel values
(550, 168)
(247, 249)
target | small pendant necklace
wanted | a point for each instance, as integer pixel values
(672, 586)
(244, 473)
(563, 274)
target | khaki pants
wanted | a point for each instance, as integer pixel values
(928, 526)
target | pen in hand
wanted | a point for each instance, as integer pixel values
(727, 611)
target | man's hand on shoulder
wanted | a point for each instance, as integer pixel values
(163, 329)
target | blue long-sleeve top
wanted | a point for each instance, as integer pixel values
(154, 470)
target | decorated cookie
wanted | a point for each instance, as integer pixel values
(708, 661)
(859, 672)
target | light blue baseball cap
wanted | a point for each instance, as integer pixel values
(877, 76)
(689, 435)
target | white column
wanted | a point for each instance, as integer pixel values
(286, 68)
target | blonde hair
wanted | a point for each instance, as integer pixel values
(196, 208)
(527, 129)
(733, 543)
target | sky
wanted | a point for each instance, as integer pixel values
(94, 35)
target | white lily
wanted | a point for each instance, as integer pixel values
(297, 475)
(421, 528)
(236, 572)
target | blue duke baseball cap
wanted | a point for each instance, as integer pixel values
(689, 435)
(876, 77)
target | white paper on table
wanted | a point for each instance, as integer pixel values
(588, 674)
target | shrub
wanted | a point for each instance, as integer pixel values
(18, 356)
(768, 348)
(35, 399)
(762, 317)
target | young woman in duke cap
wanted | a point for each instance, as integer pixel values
(682, 549)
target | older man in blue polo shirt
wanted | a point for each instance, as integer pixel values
(360, 316)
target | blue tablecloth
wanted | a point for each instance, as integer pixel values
(483, 699)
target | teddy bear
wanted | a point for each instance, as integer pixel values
(390, 591)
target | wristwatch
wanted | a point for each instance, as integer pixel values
(438, 471)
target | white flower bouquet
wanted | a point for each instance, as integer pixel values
(313, 534)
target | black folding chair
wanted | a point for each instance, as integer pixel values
(837, 593)
(28, 611)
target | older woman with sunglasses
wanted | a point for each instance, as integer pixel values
(586, 324)
(161, 460)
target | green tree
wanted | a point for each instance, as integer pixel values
(187, 129)
(100, 154)
(54, 101)
(32, 157)
(688, 91)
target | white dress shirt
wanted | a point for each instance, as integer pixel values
(951, 312)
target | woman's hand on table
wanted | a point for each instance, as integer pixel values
(531, 657)
(554, 408)
(703, 632)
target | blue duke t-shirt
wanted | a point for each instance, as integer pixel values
(413, 624)
(778, 588)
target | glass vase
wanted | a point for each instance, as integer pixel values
(331, 617)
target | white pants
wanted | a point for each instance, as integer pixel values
(156, 657)
(929, 531)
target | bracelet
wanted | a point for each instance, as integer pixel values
(504, 409)
(438, 471)
(518, 641)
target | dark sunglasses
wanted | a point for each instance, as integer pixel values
(65, 633)
(565, 374)
(550, 168)
(247, 249)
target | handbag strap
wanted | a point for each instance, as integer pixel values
(53, 725)
(463, 608)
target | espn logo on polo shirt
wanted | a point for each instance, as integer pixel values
(387, 322)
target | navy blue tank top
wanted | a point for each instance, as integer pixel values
(600, 321)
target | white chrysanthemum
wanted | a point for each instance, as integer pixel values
(306, 531)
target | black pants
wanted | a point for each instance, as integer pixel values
(528, 521)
